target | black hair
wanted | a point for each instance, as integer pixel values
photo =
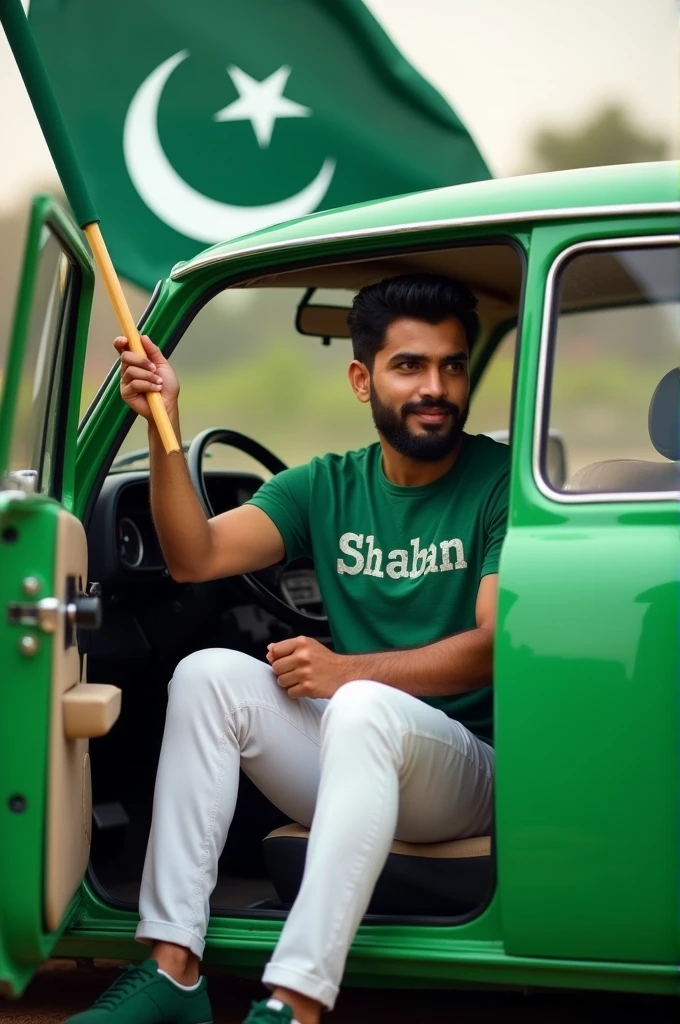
(429, 297)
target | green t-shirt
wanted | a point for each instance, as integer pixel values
(398, 566)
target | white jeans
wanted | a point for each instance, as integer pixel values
(370, 764)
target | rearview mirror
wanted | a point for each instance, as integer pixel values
(321, 321)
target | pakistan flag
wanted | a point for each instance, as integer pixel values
(196, 121)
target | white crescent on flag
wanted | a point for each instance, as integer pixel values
(173, 200)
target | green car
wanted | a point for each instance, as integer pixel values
(576, 368)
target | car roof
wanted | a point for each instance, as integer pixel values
(572, 193)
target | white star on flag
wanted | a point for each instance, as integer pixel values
(261, 103)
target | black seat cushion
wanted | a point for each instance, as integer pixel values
(437, 879)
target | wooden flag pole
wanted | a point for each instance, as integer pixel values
(122, 310)
(49, 115)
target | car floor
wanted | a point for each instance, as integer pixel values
(230, 893)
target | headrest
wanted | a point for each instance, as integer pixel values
(664, 416)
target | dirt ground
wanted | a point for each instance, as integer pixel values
(62, 989)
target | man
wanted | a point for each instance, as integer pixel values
(388, 734)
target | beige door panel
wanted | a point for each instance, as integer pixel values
(78, 710)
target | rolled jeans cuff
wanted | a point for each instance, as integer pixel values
(159, 931)
(279, 976)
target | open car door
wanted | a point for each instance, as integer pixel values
(47, 712)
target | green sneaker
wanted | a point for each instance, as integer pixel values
(270, 1011)
(143, 996)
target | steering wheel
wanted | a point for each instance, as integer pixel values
(299, 620)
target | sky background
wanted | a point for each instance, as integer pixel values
(506, 66)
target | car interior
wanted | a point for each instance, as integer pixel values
(151, 622)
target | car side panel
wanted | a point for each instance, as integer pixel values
(586, 684)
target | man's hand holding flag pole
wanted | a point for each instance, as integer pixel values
(34, 74)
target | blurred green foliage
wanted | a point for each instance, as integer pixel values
(609, 137)
(292, 394)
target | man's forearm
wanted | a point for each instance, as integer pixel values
(178, 516)
(454, 665)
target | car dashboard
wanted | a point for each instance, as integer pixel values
(127, 561)
(121, 536)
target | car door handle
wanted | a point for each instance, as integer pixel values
(82, 611)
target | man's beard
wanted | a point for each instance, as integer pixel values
(435, 441)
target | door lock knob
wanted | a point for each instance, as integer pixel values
(85, 612)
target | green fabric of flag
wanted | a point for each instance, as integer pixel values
(200, 121)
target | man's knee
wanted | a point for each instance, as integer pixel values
(205, 673)
(357, 706)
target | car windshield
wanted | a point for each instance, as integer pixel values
(243, 365)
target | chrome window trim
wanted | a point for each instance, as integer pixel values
(182, 270)
(582, 497)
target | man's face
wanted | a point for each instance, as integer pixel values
(419, 388)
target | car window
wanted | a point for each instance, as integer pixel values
(34, 432)
(490, 405)
(242, 364)
(614, 344)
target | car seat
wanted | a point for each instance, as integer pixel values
(423, 879)
(639, 475)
